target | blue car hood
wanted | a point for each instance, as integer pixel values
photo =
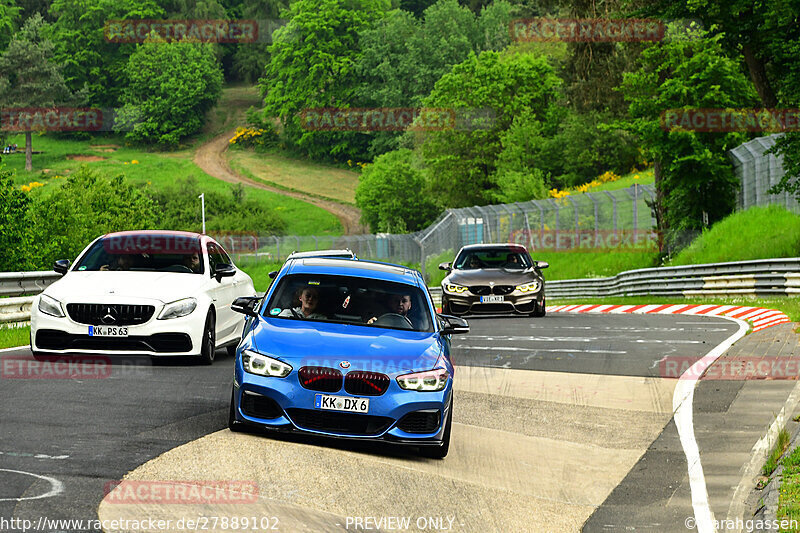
(390, 351)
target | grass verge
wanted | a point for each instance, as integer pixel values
(11, 337)
(283, 171)
(756, 233)
(776, 453)
(788, 305)
(154, 169)
(789, 494)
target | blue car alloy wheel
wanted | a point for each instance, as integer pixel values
(347, 349)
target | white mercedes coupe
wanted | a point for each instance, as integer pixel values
(157, 293)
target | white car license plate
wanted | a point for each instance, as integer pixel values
(108, 331)
(341, 403)
(492, 299)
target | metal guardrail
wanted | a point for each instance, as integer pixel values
(21, 286)
(760, 277)
(26, 283)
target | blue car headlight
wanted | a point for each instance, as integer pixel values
(427, 381)
(260, 364)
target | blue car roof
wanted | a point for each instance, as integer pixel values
(357, 268)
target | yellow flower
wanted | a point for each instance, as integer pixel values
(26, 188)
(636, 177)
(349, 162)
(134, 162)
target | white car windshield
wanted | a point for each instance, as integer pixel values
(104, 255)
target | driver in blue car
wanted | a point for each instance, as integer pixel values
(399, 304)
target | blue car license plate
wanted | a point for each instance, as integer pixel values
(341, 403)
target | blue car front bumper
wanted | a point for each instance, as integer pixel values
(397, 415)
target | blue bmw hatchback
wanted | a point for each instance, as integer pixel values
(350, 349)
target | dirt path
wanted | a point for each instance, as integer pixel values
(211, 158)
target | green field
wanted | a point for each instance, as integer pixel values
(757, 233)
(284, 171)
(110, 154)
(10, 337)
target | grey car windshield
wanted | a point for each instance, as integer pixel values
(350, 300)
(492, 258)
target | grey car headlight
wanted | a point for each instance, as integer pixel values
(533, 286)
(178, 309)
(454, 288)
(50, 306)
(258, 363)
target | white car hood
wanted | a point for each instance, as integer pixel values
(113, 286)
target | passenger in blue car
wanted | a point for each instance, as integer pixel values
(309, 299)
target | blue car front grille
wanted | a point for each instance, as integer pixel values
(340, 423)
(365, 383)
(320, 378)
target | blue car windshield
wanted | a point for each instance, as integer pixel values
(350, 300)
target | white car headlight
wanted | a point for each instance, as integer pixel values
(453, 288)
(50, 306)
(260, 364)
(427, 381)
(530, 287)
(178, 309)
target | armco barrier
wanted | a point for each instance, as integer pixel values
(763, 277)
(26, 283)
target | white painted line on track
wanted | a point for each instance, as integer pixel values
(521, 349)
(683, 415)
(13, 348)
(56, 487)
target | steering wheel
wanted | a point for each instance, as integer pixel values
(178, 268)
(295, 313)
(394, 320)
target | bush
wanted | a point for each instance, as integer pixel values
(393, 195)
(171, 87)
(179, 209)
(86, 206)
(13, 210)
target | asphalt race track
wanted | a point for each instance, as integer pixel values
(560, 423)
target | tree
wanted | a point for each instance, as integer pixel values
(392, 194)
(462, 161)
(87, 205)
(13, 234)
(692, 172)
(91, 59)
(312, 65)
(8, 13)
(29, 77)
(171, 86)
